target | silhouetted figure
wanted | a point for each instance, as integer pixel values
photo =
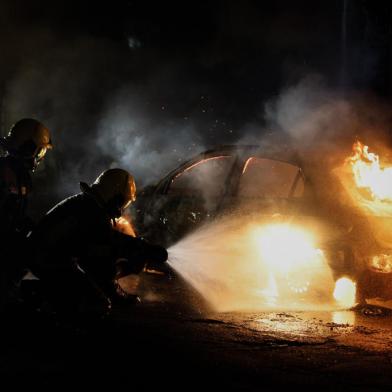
(79, 254)
(25, 146)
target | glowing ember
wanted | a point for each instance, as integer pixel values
(345, 292)
(368, 173)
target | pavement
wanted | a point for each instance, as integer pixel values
(177, 343)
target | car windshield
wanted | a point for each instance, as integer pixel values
(268, 178)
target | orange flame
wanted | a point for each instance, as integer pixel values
(382, 263)
(345, 292)
(368, 173)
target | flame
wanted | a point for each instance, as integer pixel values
(382, 263)
(295, 266)
(272, 262)
(368, 173)
(284, 247)
(345, 292)
(124, 225)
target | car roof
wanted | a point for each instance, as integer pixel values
(280, 152)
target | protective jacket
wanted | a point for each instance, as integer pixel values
(15, 185)
(76, 238)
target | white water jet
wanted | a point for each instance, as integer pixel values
(224, 264)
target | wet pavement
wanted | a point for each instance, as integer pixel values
(365, 328)
(179, 345)
(340, 350)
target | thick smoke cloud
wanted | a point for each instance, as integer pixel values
(146, 146)
(65, 86)
(308, 111)
(323, 121)
(86, 92)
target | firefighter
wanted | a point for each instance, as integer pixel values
(79, 254)
(25, 146)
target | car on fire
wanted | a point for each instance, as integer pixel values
(212, 183)
(244, 181)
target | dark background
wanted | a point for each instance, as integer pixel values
(145, 85)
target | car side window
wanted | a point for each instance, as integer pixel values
(269, 178)
(206, 178)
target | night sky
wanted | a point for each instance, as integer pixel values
(133, 83)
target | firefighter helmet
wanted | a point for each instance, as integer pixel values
(116, 188)
(28, 139)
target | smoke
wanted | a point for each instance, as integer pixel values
(85, 91)
(321, 124)
(132, 100)
(113, 102)
(64, 85)
(105, 108)
(318, 117)
(309, 111)
(147, 146)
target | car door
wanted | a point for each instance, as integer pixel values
(190, 196)
(269, 185)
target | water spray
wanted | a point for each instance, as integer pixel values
(237, 266)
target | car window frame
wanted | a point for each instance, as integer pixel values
(300, 174)
(241, 154)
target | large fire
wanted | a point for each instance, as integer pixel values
(369, 174)
(368, 183)
(269, 263)
(296, 267)
(284, 247)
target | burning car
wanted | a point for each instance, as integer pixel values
(301, 226)
(213, 183)
(368, 185)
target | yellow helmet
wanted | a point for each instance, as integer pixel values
(28, 139)
(116, 188)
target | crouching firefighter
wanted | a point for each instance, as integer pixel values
(80, 256)
(25, 146)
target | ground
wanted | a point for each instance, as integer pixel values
(178, 346)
